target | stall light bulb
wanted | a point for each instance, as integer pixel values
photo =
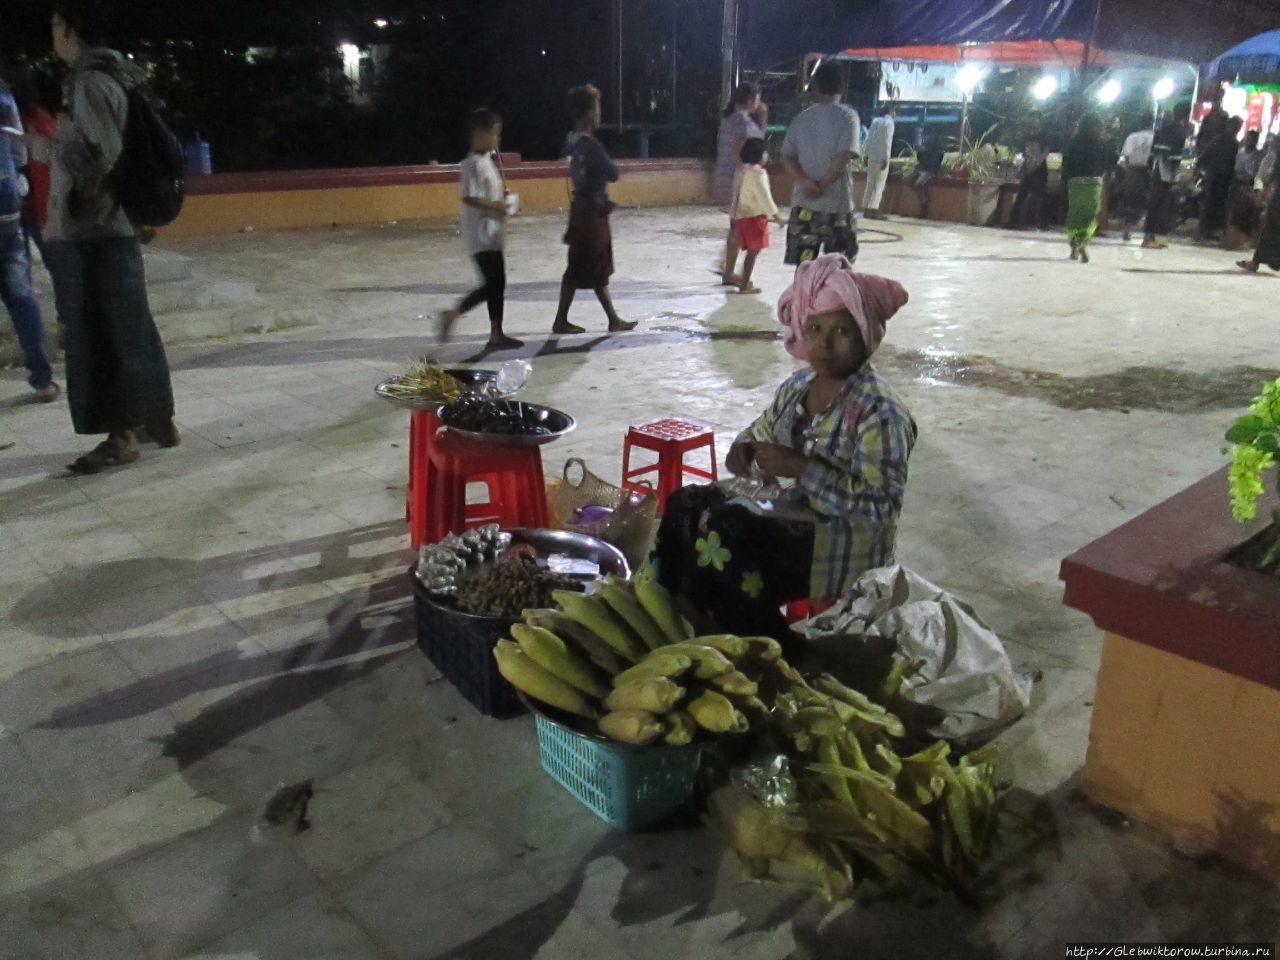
(1045, 87)
(969, 77)
(1163, 89)
(1110, 92)
(380, 24)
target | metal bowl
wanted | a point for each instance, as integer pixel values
(557, 421)
(577, 545)
(473, 381)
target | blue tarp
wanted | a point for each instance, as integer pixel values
(901, 23)
(1255, 57)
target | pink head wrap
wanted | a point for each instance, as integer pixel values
(827, 284)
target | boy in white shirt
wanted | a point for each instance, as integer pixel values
(484, 214)
(750, 211)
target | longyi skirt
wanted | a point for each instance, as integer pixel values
(590, 248)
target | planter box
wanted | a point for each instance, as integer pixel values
(1186, 720)
(949, 198)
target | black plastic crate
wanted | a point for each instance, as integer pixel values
(461, 647)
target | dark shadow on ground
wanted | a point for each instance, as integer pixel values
(543, 291)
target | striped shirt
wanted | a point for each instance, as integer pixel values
(857, 474)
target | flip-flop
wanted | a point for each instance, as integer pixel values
(105, 454)
(1248, 266)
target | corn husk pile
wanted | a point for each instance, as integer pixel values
(872, 798)
(425, 381)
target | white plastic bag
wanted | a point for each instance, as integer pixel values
(964, 669)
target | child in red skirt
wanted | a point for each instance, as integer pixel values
(749, 213)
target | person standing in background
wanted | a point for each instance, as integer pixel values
(1217, 163)
(819, 148)
(737, 126)
(589, 238)
(879, 152)
(1243, 208)
(15, 264)
(1135, 176)
(1033, 182)
(38, 102)
(752, 208)
(930, 168)
(117, 373)
(1166, 159)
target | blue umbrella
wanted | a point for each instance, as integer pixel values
(1260, 54)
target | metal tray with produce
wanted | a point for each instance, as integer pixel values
(412, 389)
(576, 559)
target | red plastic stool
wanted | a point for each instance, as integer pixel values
(670, 438)
(423, 425)
(512, 474)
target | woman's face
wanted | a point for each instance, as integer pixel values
(834, 344)
(753, 104)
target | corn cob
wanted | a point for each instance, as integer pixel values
(527, 677)
(622, 601)
(656, 601)
(657, 695)
(655, 665)
(550, 652)
(631, 726)
(593, 613)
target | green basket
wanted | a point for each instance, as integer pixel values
(627, 786)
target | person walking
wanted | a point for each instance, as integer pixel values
(1243, 208)
(737, 126)
(117, 374)
(15, 265)
(1135, 176)
(1167, 149)
(752, 208)
(484, 214)
(589, 238)
(1085, 162)
(879, 151)
(819, 148)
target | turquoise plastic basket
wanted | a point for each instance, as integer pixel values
(627, 786)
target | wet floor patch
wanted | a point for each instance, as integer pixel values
(1131, 388)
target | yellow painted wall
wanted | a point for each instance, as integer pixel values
(1191, 750)
(288, 209)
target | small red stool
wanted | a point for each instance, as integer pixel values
(670, 438)
(512, 474)
(423, 425)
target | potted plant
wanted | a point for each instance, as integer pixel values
(1255, 445)
(978, 164)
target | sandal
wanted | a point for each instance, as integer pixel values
(109, 453)
(1247, 265)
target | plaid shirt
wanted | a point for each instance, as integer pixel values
(858, 450)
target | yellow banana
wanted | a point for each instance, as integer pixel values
(714, 712)
(622, 601)
(655, 665)
(680, 728)
(656, 695)
(575, 635)
(631, 726)
(735, 648)
(550, 653)
(709, 661)
(736, 682)
(657, 602)
(594, 614)
(526, 676)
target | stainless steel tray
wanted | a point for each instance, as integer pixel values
(557, 421)
(546, 542)
(473, 381)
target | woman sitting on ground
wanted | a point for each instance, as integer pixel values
(836, 435)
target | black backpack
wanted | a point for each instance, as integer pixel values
(149, 176)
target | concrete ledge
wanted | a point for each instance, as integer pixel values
(227, 203)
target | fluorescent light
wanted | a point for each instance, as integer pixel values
(1110, 92)
(350, 55)
(1163, 89)
(969, 77)
(380, 24)
(1045, 87)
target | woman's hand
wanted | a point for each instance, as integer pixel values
(776, 460)
(739, 460)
